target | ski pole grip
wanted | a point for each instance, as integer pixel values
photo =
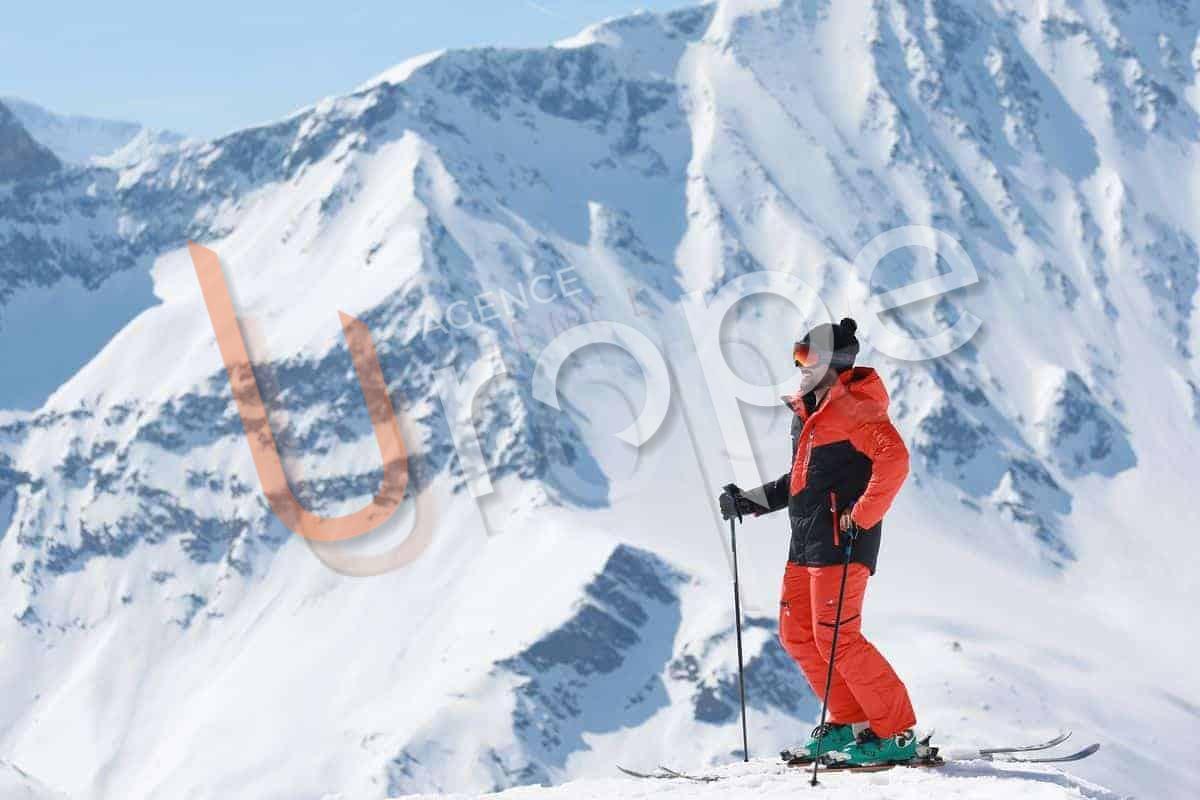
(733, 491)
(850, 533)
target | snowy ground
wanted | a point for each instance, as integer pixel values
(764, 779)
(16, 784)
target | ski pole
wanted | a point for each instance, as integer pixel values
(737, 621)
(737, 624)
(837, 625)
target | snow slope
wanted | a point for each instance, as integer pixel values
(165, 636)
(16, 784)
(758, 780)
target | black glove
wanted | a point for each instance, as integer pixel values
(735, 504)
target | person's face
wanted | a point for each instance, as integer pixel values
(816, 377)
(814, 364)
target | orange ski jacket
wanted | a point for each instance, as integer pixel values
(845, 454)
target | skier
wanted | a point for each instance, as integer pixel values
(848, 463)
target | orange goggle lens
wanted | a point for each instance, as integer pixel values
(805, 356)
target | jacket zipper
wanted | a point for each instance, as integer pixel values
(812, 431)
(812, 435)
(807, 455)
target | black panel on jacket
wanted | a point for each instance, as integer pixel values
(837, 468)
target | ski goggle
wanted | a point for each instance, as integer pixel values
(805, 355)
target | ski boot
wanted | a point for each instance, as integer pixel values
(869, 749)
(833, 737)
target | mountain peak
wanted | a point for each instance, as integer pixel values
(21, 156)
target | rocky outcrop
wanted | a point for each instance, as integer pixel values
(22, 158)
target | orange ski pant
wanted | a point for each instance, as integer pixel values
(865, 687)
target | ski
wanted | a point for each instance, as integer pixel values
(926, 762)
(634, 774)
(697, 778)
(996, 755)
(667, 774)
(934, 761)
(1057, 740)
(988, 753)
(1078, 755)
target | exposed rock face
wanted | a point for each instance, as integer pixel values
(20, 156)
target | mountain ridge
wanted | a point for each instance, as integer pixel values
(21, 157)
(82, 140)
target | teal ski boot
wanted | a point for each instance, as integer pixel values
(867, 748)
(833, 738)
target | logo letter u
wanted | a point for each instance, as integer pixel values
(258, 431)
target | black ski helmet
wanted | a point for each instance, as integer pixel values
(837, 340)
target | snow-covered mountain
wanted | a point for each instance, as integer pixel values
(77, 139)
(167, 636)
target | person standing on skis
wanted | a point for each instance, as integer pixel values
(848, 463)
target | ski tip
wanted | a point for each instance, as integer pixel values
(1078, 755)
(987, 752)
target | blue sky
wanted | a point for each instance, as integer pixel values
(209, 67)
